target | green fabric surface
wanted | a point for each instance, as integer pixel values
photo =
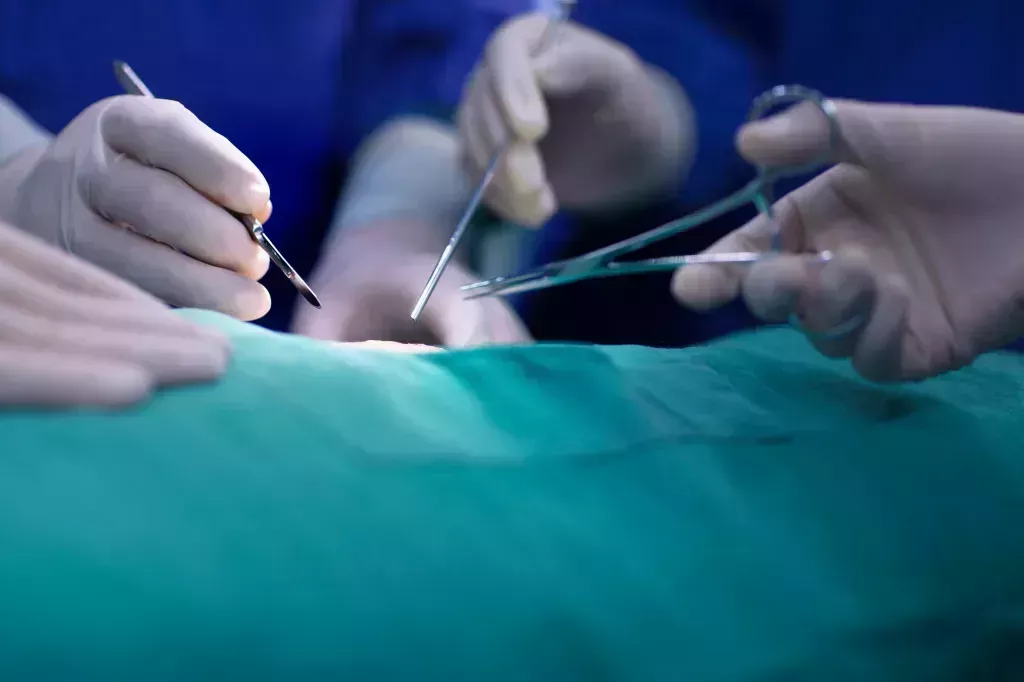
(745, 511)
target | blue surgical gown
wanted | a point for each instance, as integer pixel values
(724, 53)
(295, 85)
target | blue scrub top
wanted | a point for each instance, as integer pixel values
(724, 53)
(295, 85)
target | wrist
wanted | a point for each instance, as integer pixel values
(407, 181)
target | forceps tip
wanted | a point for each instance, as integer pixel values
(427, 292)
(418, 308)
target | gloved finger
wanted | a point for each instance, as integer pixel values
(39, 297)
(772, 288)
(502, 326)
(476, 147)
(451, 324)
(42, 262)
(481, 322)
(705, 287)
(169, 359)
(803, 135)
(520, 171)
(459, 323)
(587, 62)
(32, 378)
(522, 193)
(886, 351)
(166, 135)
(519, 191)
(171, 276)
(509, 65)
(263, 215)
(493, 128)
(840, 296)
(519, 184)
(163, 207)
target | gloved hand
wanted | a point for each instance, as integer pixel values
(74, 335)
(592, 126)
(369, 280)
(151, 165)
(923, 213)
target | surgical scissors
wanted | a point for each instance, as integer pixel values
(604, 262)
(548, 39)
(133, 85)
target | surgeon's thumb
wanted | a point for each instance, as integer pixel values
(509, 65)
(807, 134)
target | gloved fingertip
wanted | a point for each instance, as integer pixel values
(548, 204)
(885, 352)
(247, 192)
(215, 337)
(530, 210)
(772, 288)
(250, 303)
(121, 385)
(528, 117)
(256, 266)
(757, 140)
(524, 169)
(520, 100)
(257, 196)
(263, 215)
(190, 362)
(704, 287)
(842, 294)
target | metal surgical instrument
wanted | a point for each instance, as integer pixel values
(548, 39)
(604, 262)
(133, 85)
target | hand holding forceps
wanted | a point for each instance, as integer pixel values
(547, 41)
(605, 262)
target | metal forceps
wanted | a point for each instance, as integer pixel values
(133, 85)
(560, 16)
(604, 262)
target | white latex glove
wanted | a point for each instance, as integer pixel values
(924, 212)
(592, 127)
(148, 164)
(372, 276)
(74, 335)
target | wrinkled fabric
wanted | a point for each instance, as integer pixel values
(745, 511)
